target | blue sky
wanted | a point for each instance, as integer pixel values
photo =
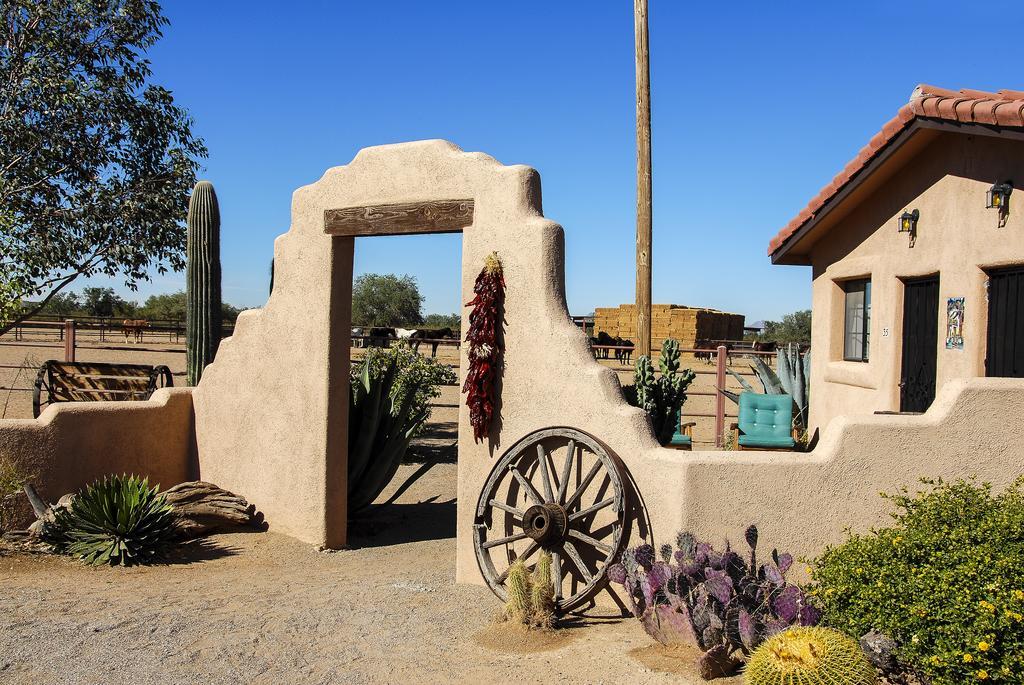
(755, 107)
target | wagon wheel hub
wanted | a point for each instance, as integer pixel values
(546, 524)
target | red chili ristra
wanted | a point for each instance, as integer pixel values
(485, 348)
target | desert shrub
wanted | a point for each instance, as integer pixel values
(416, 375)
(12, 480)
(118, 520)
(946, 582)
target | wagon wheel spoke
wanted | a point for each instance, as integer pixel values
(583, 537)
(556, 571)
(504, 541)
(591, 509)
(507, 508)
(542, 456)
(577, 561)
(526, 485)
(563, 484)
(583, 486)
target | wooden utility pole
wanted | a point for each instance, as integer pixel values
(643, 180)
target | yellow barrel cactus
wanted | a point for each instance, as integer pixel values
(809, 656)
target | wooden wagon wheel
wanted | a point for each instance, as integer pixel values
(558, 490)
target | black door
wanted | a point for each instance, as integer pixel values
(1005, 356)
(920, 340)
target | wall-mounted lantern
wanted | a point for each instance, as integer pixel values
(999, 196)
(908, 222)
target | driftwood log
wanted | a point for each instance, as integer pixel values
(202, 509)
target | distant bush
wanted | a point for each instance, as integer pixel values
(419, 375)
(12, 480)
(946, 582)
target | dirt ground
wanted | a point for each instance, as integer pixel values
(263, 608)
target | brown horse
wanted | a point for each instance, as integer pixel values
(134, 328)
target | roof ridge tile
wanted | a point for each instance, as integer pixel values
(967, 106)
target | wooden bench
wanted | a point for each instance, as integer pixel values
(95, 382)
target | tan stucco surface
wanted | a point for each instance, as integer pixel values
(957, 238)
(270, 413)
(72, 444)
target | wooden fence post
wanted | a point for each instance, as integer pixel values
(69, 340)
(721, 355)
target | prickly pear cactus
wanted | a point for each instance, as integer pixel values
(809, 656)
(517, 606)
(203, 325)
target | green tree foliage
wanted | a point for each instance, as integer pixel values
(386, 300)
(795, 327)
(105, 302)
(452, 321)
(945, 581)
(96, 162)
(63, 304)
(172, 306)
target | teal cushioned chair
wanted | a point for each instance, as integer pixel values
(682, 439)
(765, 422)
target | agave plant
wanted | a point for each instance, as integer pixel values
(793, 378)
(382, 421)
(119, 520)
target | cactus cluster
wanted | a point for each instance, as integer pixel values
(662, 396)
(203, 312)
(531, 596)
(718, 601)
(809, 656)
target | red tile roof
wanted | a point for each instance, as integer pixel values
(1005, 108)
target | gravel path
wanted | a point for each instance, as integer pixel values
(263, 608)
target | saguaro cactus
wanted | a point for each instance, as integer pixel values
(202, 331)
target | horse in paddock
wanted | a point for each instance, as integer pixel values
(435, 336)
(404, 335)
(380, 336)
(134, 328)
(624, 356)
(601, 339)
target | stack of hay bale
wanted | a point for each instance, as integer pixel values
(688, 325)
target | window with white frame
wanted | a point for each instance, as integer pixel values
(857, 320)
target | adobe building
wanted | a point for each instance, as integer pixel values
(917, 251)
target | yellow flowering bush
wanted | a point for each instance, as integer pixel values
(945, 581)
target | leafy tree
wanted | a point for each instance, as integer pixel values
(96, 162)
(452, 321)
(63, 304)
(795, 327)
(168, 306)
(386, 300)
(173, 307)
(105, 302)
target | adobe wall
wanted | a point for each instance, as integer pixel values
(73, 444)
(268, 418)
(957, 238)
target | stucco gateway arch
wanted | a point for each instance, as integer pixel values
(271, 412)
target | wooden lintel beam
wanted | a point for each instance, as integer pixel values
(406, 218)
